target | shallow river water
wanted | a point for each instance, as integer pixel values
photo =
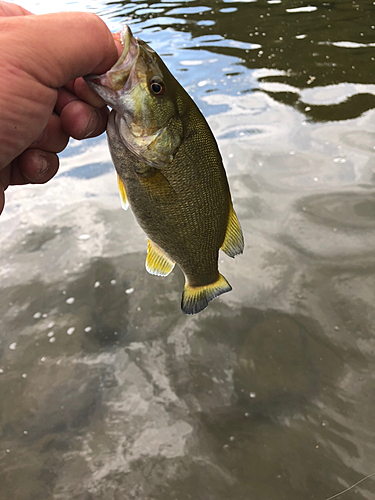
(107, 391)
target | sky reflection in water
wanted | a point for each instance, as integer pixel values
(107, 390)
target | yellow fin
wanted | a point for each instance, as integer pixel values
(157, 262)
(123, 197)
(233, 241)
(195, 299)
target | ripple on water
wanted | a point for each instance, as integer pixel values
(346, 210)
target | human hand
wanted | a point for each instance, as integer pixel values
(43, 100)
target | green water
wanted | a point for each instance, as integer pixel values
(107, 390)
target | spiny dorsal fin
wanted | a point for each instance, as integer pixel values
(195, 299)
(233, 241)
(123, 197)
(157, 262)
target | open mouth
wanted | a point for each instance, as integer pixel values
(116, 77)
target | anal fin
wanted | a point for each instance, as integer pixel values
(157, 262)
(195, 299)
(123, 197)
(233, 241)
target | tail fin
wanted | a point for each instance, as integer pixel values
(195, 299)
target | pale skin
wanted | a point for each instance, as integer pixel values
(43, 99)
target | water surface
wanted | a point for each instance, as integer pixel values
(107, 391)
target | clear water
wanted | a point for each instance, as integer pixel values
(107, 391)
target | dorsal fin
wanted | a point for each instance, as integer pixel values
(233, 241)
(157, 262)
(123, 197)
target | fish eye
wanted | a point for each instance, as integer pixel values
(157, 86)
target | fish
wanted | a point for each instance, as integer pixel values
(169, 171)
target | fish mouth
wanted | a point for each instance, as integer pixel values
(119, 76)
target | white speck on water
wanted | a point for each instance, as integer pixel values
(232, 438)
(37, 315)
(139, 309)
(316, 179)
(23, 242)
(25, 432)
(57, 231)
(97, 284)
(202, 83)
(335, 229)
(29, 231)
(50, 334)
(88, 329)
(307, 108)
(246, 414)
(115, 333)
(13, 346)
(129, 290)
(44, 315)
(70, 330)
(52, 340)
(300, 37)
(42, 359)
(230, 155)
(24, 375)
(113, 282)
(195, 62)
(8, 450)
(70, 300)
(339, 159)
(84, 237)
(253, 395)
(1, 370)
(337, 328)
(51, 324)
(226, 446)
(292, 153)
(308, 8)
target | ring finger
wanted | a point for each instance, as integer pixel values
(53, 138)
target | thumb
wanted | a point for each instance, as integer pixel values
(10, 9)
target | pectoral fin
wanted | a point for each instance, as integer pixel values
(195, 299)
(233, 241)
(123, 197)
(157, 262)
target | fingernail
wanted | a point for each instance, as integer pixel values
(43, 164)
(93, 123)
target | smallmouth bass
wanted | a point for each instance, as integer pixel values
(169, 171)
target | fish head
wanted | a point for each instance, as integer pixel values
(143, 94)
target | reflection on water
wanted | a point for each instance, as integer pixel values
(107, 391)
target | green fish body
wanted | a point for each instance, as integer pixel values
(170, 172)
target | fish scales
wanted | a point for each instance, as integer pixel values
(170, 172)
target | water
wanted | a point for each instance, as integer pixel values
(107, 391)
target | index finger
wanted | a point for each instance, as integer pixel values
(56, 48)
